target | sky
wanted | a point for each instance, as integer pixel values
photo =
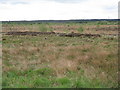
(58, 9)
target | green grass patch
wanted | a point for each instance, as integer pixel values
(80, 29)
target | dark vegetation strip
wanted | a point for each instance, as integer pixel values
(53, 33)
(58, 34)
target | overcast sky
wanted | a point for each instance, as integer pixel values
(58, 9)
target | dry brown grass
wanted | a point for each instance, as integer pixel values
(60, 28)
(89, 58)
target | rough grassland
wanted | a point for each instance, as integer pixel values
(64, 62)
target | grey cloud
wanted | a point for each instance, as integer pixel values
(20, 3)
(14, 2)
(68, 1)
(30, 1)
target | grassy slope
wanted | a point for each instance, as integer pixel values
(30, 61)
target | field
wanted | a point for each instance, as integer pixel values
(60, 55)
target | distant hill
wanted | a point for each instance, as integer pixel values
(62, 21)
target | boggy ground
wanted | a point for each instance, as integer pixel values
(64, 62)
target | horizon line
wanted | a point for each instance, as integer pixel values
(57, 20)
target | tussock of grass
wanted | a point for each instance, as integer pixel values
(45, 28)
(80, 29)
